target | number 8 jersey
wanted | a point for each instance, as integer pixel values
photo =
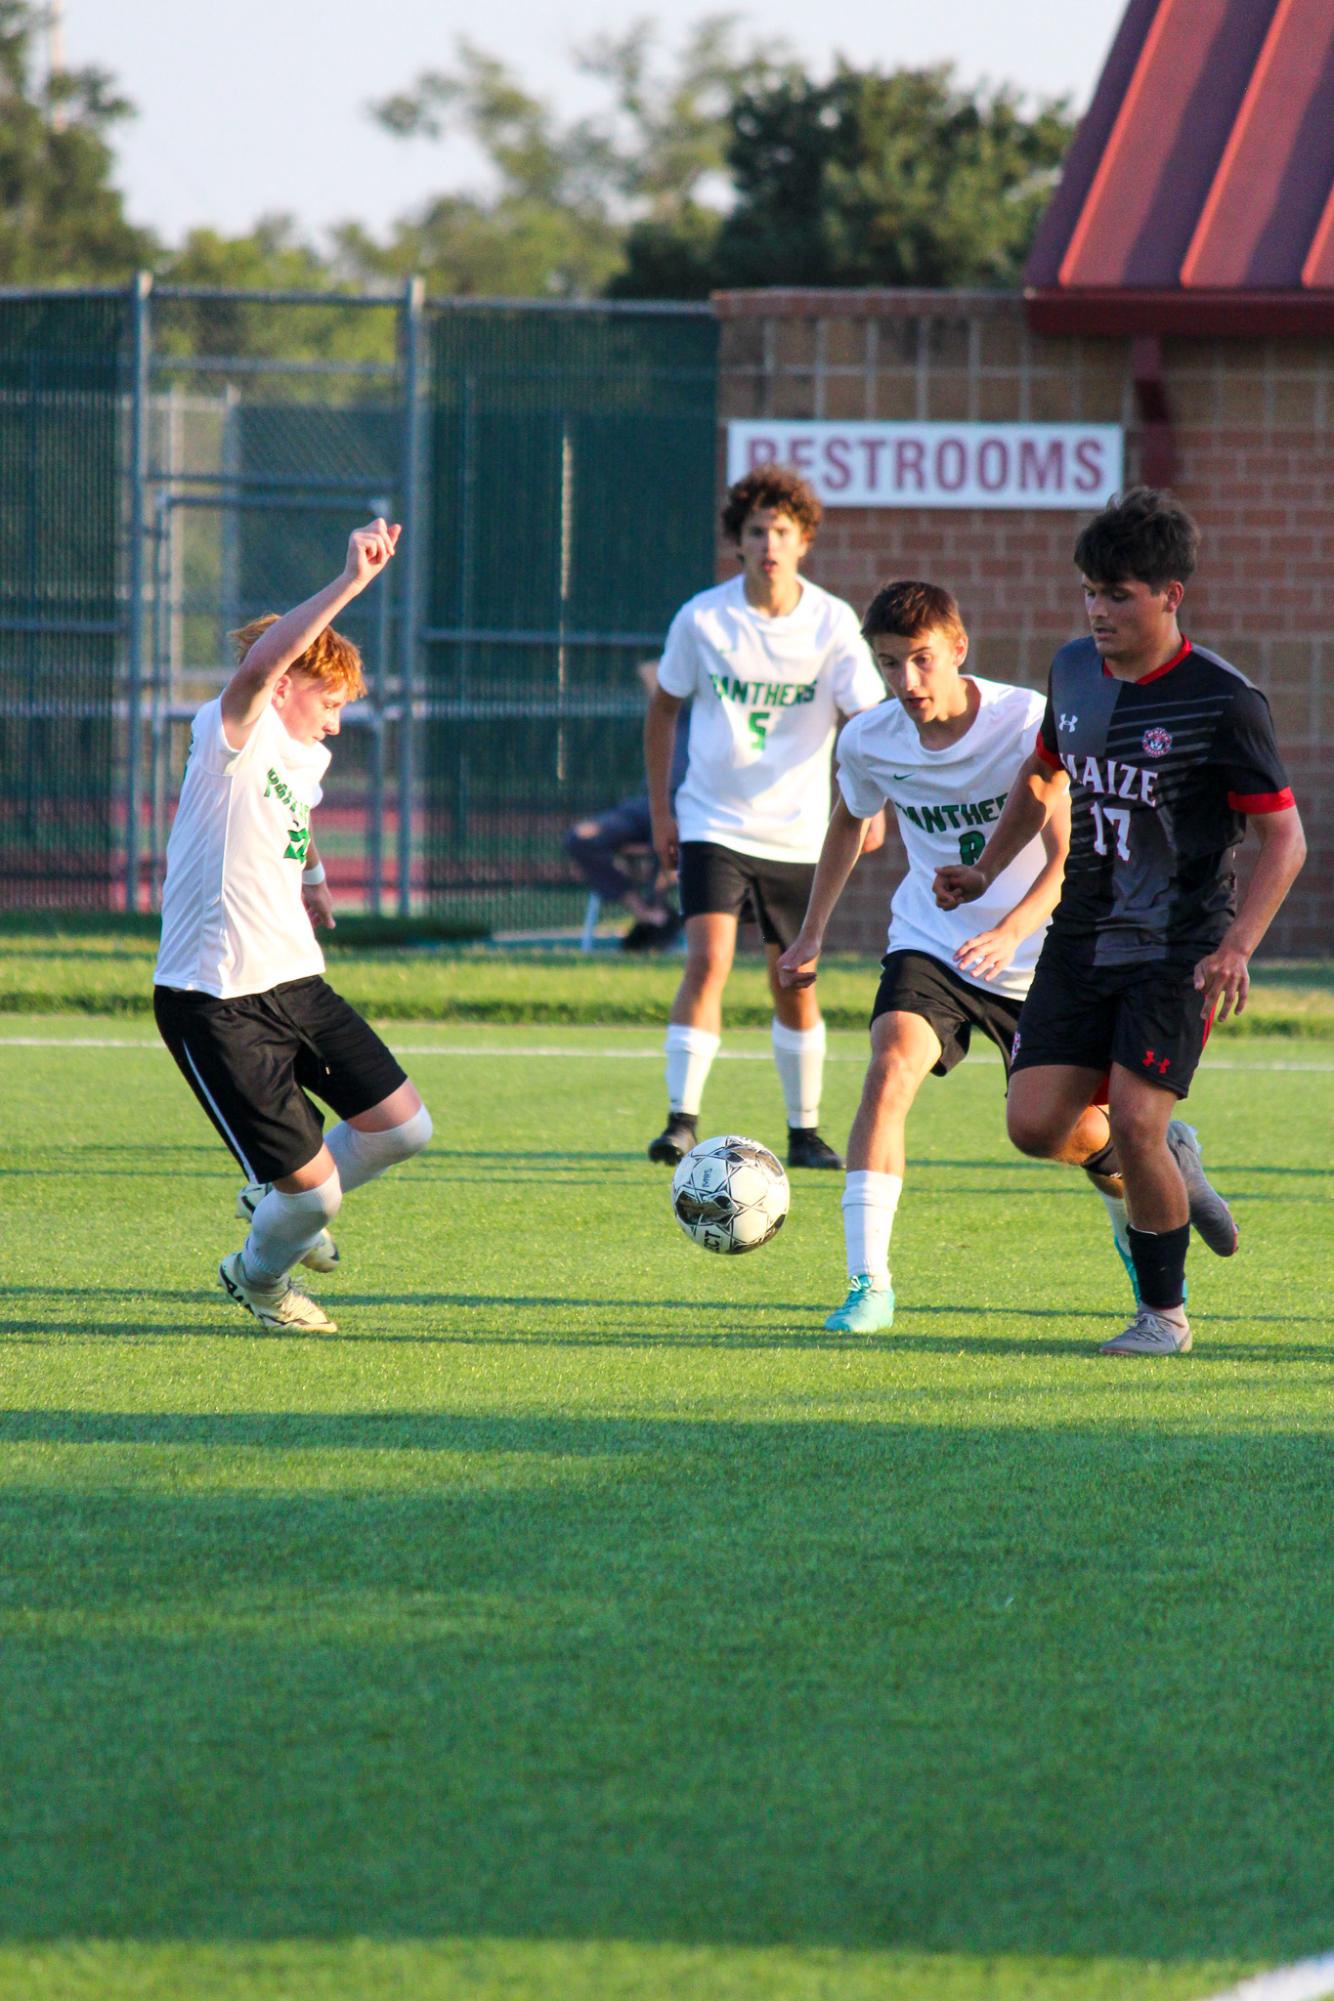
(766, 696)
(947, 802)
(1163, 772)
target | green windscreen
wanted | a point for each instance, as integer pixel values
(62, 375)
(572, 491)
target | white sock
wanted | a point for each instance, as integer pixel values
(690, 1054)
(360, 1157)
(1116, 1208)
(799, 1054)
(283, 1226)
(869, 1203)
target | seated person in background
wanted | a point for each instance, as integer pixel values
(606, 847)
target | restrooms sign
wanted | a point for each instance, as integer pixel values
(938, 465)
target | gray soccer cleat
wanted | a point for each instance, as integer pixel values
(280, 1307)
(323, 1253)
(1209, 1213)
(1150, 1333)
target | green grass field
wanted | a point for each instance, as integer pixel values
(582, 1621)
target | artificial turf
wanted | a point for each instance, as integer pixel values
(582, 1620)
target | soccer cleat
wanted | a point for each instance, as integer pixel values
(278, 1306)
(1150, 1333)
(805, 1148)
(1209, 1213)
(676, 1138)
(868, 1309)
(323, 1253)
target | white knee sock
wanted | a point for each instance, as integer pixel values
(361, 1156)
(1116, 1210)
(799, 1054)
(283, 1226)
(869, 1202)
(690, 1054)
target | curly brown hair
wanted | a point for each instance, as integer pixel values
(904, 609)
(771, 486)
(331, 658)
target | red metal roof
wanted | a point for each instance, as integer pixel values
(1199, 192)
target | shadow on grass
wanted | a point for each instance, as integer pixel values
(818, 1683)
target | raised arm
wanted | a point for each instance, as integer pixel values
(842, 845)
(250, 689)
(1033, 798)
(1222, 977)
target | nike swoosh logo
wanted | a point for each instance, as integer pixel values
(902, 774)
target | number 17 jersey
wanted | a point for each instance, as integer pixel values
(1163, 772)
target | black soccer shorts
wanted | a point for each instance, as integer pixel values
(917, 983)
(717, 880)
(1145, 1017)
(251, 1061)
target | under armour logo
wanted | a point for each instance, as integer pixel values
(1152, 1061)
(1068, 722)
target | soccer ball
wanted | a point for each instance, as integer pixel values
(730, 1194)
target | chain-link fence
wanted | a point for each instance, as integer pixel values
(174, 461)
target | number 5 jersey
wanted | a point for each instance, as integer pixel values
(766, 695)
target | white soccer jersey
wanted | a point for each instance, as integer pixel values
(947, 802)
(232, 917)
(767, 693)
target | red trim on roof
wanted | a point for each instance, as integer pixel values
(1154, 673)
(1261, 802)
(1204, 165)
(1195, 315)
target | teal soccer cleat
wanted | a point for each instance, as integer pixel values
(866, 1310)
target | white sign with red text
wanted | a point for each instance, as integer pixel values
(937, 465)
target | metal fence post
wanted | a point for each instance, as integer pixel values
(140, 294)
(414, 527)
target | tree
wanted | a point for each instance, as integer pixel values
(868, 179)
(566, 193)
(61, 220)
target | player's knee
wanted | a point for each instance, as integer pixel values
(1031, 1131)
(415, 1133)
(1136, 1131)
(330, 1194)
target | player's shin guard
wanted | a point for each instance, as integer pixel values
(869, 1203)
(690, 1054)
(284, 1226)
(361, 1156)
(1160, 1266)
(799, 1055)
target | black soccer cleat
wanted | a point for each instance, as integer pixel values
(675, 1140)
(805, 1148)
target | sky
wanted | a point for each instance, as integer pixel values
(258, 107)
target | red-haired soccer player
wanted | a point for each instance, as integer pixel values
(239, 992)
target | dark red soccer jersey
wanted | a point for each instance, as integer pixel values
(1163, 772)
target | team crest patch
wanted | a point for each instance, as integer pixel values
(1157, 741)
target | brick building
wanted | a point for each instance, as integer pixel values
(1182, 288)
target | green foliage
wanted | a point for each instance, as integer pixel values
(868, 179)
(567, 192)
(581, 1619)
(61, 220)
